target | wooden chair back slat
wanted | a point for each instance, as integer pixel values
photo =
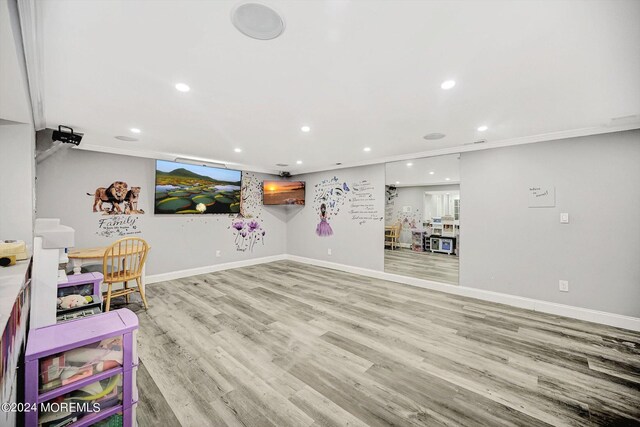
(124, 259)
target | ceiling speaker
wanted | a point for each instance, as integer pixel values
(125, 138)
(257, 21)
(434, 136)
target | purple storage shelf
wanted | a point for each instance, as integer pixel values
(65, 336)
(82, 279)
(76, 333)
(97, 416)
(48, 395)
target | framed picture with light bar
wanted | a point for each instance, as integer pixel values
(184, 188)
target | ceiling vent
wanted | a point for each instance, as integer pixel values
(624, 120)
(257, 21)
(480, 141)
(282, 164)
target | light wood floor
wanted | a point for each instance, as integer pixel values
(422, 265)
(287, 344)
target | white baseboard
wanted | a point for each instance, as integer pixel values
(595, 316)
(172, 275)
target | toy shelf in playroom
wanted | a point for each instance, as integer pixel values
(79, 296)
(95, 397)
(91, 360)
(73, 365)
(417, 237)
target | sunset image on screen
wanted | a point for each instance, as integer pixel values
(283, 192)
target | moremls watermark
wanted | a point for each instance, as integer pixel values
(72, 407)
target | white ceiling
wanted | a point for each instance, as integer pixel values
(359, 73)
(417, 172)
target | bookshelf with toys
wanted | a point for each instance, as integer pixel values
(80, 363)
(82, 371)
(444, 235)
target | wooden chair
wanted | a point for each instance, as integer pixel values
(392, 235)
(122, 263)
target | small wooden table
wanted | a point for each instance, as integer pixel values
(80, 257)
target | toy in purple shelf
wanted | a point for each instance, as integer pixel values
(71, 301)
(323, 229)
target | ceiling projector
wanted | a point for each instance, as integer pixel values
(67, 137)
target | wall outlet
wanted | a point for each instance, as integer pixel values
(329, 251)
(218, 254)
(563, 285)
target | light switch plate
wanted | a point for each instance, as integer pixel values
(329, 251)
(564, 218)
(563, 285)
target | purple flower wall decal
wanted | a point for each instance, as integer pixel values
(247, 226)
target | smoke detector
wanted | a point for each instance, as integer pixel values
(257, 21)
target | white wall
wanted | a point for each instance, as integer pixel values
(508, 247)
(17, 145)
(17, 135)
(513, 249)
(352, 243)
(177, 242)
(14, 95)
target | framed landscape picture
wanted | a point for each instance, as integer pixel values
(193, 189)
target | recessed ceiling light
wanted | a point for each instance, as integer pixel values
(238, 150)
(431, 173)
(448, 84)
(182, 87)
(409, 164)
(305, 129)
(135, 130)
(299, 162)
(126, 138)
(434, 135)
(447, 179)
(367, 149)
(483, 128)
(397, 182)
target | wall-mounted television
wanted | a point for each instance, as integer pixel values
(283, 193)
(183, 188)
